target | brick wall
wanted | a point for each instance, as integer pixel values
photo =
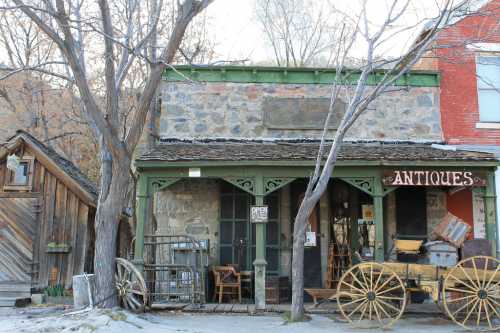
(459, 101)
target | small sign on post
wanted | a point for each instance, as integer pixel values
(258, 214)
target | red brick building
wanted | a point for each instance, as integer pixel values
(468, 58)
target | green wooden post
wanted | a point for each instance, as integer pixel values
(378, 205)
(142, 211)
(260, 250)
(490, 212)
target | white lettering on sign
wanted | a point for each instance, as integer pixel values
(258, 214)
(432, 178)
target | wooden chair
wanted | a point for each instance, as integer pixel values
(227, 278)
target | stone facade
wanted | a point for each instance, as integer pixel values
(235, 110)
(190, 207)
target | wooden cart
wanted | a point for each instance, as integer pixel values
(376, 294)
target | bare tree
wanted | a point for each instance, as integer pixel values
(300, 32)
(372, 36)
(120, 39)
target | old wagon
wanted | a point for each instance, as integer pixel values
(373, 294)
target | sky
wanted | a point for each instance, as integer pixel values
(239, 35)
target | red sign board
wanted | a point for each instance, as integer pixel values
(433, 178)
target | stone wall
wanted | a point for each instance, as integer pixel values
(236, 110)
(190, 207)
(436, 208)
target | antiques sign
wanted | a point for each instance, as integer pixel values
(258, 214)
(433, 178)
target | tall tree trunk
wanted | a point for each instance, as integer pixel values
(297, 309)
(109, 211)
(299, 232)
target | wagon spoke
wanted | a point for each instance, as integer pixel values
(475, 289)
(492, 277)
(487, 313)
(461, 298)
(371, 277)
(468, 277)
(390, 289)
(382, 308)
(479, 313)
(361, 270)
(484, 273)
(460, 309)
(460, 290)
(391, 298)
(363, 312)
(356, 309)
(359, 282)
(378, 279)
(386, 282)
(389, 305)
(470, 312)
(350, 285)
(377, 314)
(475, 272)
(493, 308)
(370, 310)
(353, 302)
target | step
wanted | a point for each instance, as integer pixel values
(7, 301)
(15, 286)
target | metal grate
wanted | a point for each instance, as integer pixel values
(175, 268)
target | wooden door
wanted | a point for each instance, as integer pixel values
(411, 212)
(18, 223)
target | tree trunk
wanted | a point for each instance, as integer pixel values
(109, 211)
(297, 309)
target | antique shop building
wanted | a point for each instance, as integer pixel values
(247, 136)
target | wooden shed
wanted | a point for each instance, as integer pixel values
(47, 210)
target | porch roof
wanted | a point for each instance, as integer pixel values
(226, 150)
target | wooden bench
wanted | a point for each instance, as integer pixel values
(319, 294)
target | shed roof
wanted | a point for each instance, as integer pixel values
(71, 171)
(303, 150)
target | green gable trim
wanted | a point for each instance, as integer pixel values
(250, 74)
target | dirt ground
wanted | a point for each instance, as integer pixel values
(52, 320)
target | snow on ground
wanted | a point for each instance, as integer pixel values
(30, 320)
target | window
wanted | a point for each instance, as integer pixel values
(237, 234)
(488, 85)
(21, 178)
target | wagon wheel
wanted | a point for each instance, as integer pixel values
(130, 286)
(371, 295)
(471, 294)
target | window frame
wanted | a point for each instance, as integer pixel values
(28, 186)
(478, 89)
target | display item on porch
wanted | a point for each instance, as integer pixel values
(227, 282)
(452, 229)
(441, 253)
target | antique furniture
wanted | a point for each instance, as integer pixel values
(227, 278)
(247, 282)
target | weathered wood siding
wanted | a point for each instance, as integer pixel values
(18, 223)
(62, 218)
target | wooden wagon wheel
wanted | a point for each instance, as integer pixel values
(371, 295)
(130, 285)
(471, 293)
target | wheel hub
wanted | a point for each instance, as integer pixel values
(371, 296)
(482, 294)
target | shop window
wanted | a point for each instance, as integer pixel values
(488, 87)
(21, 178)
(237, 234)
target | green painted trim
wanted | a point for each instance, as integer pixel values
(378, 206)
(272, 184)
(143, 190)
(165, 164)
(247, 184)
(160, 183)
(256, 74)
(490, 212)
(364, 184)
